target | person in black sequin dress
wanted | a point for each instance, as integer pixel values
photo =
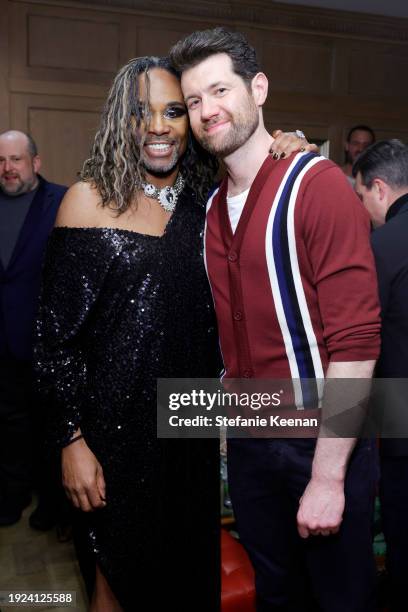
(125, 300)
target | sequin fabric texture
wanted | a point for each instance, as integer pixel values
(118, 310)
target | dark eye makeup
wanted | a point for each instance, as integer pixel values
(171, 112)
(174, 112)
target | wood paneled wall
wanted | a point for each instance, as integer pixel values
(328, 70)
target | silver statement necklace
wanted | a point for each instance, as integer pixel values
(167, 196)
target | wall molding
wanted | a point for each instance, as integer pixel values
(58, 88)
(257, 13)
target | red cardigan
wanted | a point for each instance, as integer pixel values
(295, 287)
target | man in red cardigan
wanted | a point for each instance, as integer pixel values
(294, 286)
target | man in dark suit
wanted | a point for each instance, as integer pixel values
(381, 174)
(28, 207)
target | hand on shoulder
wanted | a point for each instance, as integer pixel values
(80, 206)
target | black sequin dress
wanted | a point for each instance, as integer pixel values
(118, 310)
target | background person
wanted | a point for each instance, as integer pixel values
(381, 173)
(28, 207)
(358, 139)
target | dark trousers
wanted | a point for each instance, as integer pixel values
(330, 574)
(394, 514)
(15, 430)
(24, 461)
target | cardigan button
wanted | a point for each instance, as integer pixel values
(232, 256)
(247, 373)
(238, 315)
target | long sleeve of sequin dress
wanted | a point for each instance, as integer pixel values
(69, 292)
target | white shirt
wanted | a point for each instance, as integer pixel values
(235, 207)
